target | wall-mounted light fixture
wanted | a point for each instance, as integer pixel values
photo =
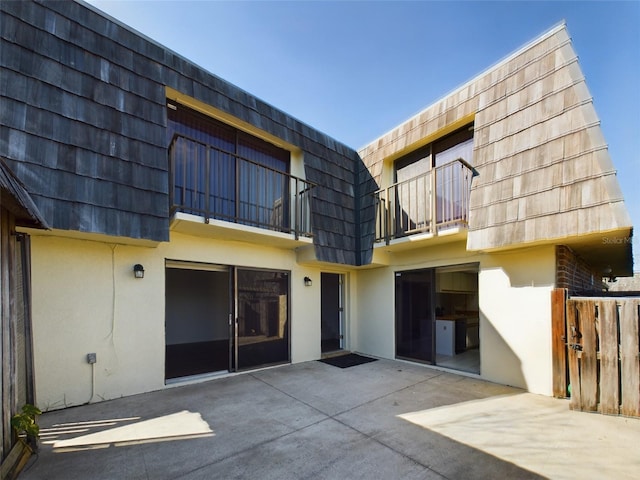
(606, 273)
(307, 282)
(138, 271)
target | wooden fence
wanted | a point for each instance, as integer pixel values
(596, 346)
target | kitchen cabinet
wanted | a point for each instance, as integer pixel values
(457, 282)
(472, 333)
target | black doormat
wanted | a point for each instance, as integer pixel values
(348, 360)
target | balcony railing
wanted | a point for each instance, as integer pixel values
(427, 203)
(216, 184)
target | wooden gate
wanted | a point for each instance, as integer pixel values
(598, 340)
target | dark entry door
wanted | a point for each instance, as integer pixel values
(414, 315)
(331, 312)
(262, 318)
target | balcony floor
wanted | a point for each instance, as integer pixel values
(219, 229)
(419, 240)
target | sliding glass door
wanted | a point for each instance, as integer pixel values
(221, 318)
(262, 318)
(197, 313)
(414, 315)
(438, 316)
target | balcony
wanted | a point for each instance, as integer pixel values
(430, 203)
(221, 186)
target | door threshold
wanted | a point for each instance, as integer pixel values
(195, 378)
(334, 353)
(204, 377)
(440, 368)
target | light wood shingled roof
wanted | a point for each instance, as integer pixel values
(545, 175)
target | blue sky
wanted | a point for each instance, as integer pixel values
(355, 70)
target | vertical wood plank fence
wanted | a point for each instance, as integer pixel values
(596, 346)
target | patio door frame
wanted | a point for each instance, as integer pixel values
(233, 322)
(437, 320)
(235, 360)
(334, 301)
(408, 323)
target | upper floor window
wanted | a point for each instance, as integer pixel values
(458, 145)
(220, 172)
(188, 123)
(414, 164)
(431, 189)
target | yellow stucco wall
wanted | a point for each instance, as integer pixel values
(515, 315)
(86, 300)
(515, 309)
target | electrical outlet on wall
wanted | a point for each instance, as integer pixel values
(91, 358)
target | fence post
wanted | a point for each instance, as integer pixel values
(609, 371)
(588, 359)
(573, 337)
(630, 356)
(559, 342)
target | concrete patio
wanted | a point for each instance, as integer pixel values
(381, 420)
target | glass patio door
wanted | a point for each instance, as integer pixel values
(414, 315)
(261, 335)
(197, 319)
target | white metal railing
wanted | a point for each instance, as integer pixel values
(427, 202)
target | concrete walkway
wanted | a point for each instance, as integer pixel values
(381, 420)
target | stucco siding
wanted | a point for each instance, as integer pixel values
(515, 315)
(83, 125)
(376, 313)
(86, 300)
(514, 292)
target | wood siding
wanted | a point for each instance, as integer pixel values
(82, 131)
(84, 127)
(544, 169)
(602, 337)
(16, 368)
(560, 372)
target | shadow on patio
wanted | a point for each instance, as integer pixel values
(384, 419)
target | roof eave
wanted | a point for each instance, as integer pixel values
(16, 199)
